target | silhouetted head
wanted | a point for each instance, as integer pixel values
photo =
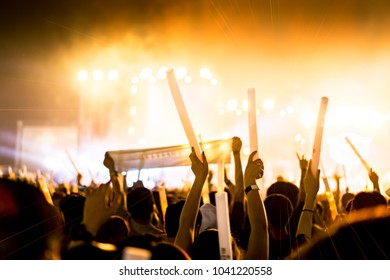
(172, 218)
(72, 206)
(115, 231)
(206, 246)
(29, 225)
(285, 188)
(279, 210)
(167, 251)
(363, 235)
(368, 200)
(140, 203)
(345, 199)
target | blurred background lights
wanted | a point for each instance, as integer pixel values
(97, 75)
(205, 73)
(134, 89)
(214, 81)
(244, 105)
(231, 105)
(188, 79)
(162, 73)
(132, 110)
(268, 104)
(181, 73)
(113, 75)
(82, 75)
(146, 73)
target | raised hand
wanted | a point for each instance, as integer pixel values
(236, 144)
(100, 204)
(303, 162)
(254, 170)
(374, 178)
(199, 168)
(109, 162)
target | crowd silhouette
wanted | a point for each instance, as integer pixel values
(107, 220)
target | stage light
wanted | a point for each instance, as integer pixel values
(97, 75)
(268, 104)
(82, 75)
(134, 89)
(152, 80)
(244, 105)
(131, 130)
(298, 137)
(181, 72)
(113, 75)
(132, 110)
(214, 81)
(246, 151)
(231, 105)
(290, 109)
(308, 119)
(188, 80)
(205, 73)
(134, 80)
(161, 74)
(146, 73)
(142, 141)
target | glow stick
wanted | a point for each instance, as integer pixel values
(44, 188)
(220, 176)
(162, 194)
(221, 201)
(330, 196)
(365, 164)
(71, 160)
(181, 109)
(315, 159)
(252, 123)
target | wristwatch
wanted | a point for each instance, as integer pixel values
(251, 187)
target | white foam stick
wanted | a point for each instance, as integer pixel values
(365, 164)
(44, 188)
(223, 222)
(329, 195)
(72, 162)
(315, 159)
(221, 165)
(181, 109)
(252, 122)
(162, 194)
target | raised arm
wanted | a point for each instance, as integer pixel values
(312, 185)
(185, 234)
(258, 245)
(238, 174)
(303, 167)
(238, 210)
(374, 179)
(117, 186)
(99, 206)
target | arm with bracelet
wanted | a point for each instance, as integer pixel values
(258, 245)
(118, 189)
(311, 185)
